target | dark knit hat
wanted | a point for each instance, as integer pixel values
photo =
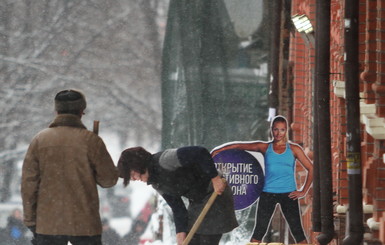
(70, 101)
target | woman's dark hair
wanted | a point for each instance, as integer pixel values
(133, 159)
(279, 119)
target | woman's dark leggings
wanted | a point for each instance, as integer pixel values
(290, 209)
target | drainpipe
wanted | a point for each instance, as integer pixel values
(322, 87)
(275, 8)
(355, 227)
(316, 201)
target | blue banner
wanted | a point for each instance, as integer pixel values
(243, 173)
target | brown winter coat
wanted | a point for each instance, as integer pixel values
(61, 170)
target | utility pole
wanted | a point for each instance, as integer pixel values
(322, 105)
(355, 214)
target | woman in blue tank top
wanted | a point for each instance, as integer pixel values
(280, 187)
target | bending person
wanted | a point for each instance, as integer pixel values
(280, 187)
(184, 172)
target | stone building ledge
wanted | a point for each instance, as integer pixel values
(374, 125)
(339, 88)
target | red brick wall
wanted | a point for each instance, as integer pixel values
(302, 56)
(372, 72)
(337, 104)
(373, 87)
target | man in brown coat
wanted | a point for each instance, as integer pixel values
(61, 170)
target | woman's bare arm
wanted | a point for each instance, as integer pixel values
(257, 146)
(308, 165)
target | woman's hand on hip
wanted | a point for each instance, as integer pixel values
(296, 195)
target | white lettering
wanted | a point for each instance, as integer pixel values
(239, 190)
(238, 176)
(234, 168)
(237, 179)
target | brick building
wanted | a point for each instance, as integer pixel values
(296, 102)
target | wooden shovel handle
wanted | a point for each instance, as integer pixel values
(96, 127)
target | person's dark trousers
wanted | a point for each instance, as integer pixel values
(63, 240)
(199, 239)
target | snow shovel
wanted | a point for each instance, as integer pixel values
(201, 217)
(96, 127)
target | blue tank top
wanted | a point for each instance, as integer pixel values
(279, 171)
